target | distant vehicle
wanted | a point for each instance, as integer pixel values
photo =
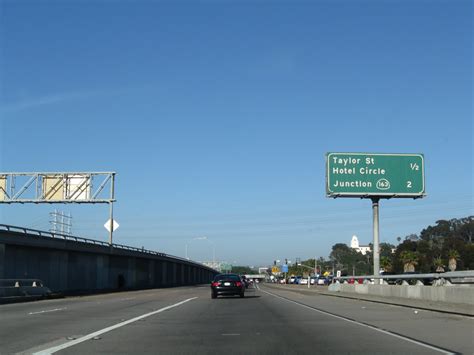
(297, 280)
(245, 281)
(292, 279)
(313, 280)
(322, 281)
(303, 281)
(227, 284)
(352, 280)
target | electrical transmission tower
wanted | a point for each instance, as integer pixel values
(60, 223)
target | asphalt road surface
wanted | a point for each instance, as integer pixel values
(269, 320)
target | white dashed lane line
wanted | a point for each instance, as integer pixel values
(47, 311)
(108, 329)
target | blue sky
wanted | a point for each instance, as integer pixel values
(217, 116)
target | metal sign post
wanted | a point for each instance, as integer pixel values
(111, 223)
(111, 204)
(375, 212)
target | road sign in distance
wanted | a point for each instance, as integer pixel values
(369, 175)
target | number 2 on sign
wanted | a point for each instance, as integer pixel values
(409, 184)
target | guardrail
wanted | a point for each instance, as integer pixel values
(32, 232)
(435, 279)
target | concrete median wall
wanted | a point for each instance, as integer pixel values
(450, 294)
(77, 267)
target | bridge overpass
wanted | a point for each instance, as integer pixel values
(73, 265)
(259, 277)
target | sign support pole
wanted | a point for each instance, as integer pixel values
(111, 205)
(375, 212)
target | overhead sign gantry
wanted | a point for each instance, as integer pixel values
(59, 187)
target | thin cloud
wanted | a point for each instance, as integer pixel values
(43, 101)
(55, 99)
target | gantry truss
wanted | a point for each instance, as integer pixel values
(58, 187)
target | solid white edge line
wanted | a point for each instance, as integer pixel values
(362, 324)
(108, 329)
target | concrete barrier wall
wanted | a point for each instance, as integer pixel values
(77, 267)
(451, 294)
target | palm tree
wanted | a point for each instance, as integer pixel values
(453, 256)
(386, 263)
(409, 260)
(438, 263)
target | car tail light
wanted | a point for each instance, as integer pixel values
(238, 284)
(214, 284)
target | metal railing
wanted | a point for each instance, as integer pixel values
(35, 232)
(441, 278)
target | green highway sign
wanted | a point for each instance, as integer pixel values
(368, 175)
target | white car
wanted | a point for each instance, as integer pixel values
(321, 281)
(303, 281)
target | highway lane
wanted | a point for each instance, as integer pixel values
(24, 326)
(267, 321)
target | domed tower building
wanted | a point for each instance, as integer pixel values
(363, 249)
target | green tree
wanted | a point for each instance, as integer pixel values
(386, 263)
(436, 241)
(350, 261)
(466, 230)
(386, 249)
(409, 260)
(342, 256)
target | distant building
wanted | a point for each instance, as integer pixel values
(363, 249)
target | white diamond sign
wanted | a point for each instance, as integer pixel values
(115, 225)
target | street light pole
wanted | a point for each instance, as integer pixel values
(309, 274)
(203, 238)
